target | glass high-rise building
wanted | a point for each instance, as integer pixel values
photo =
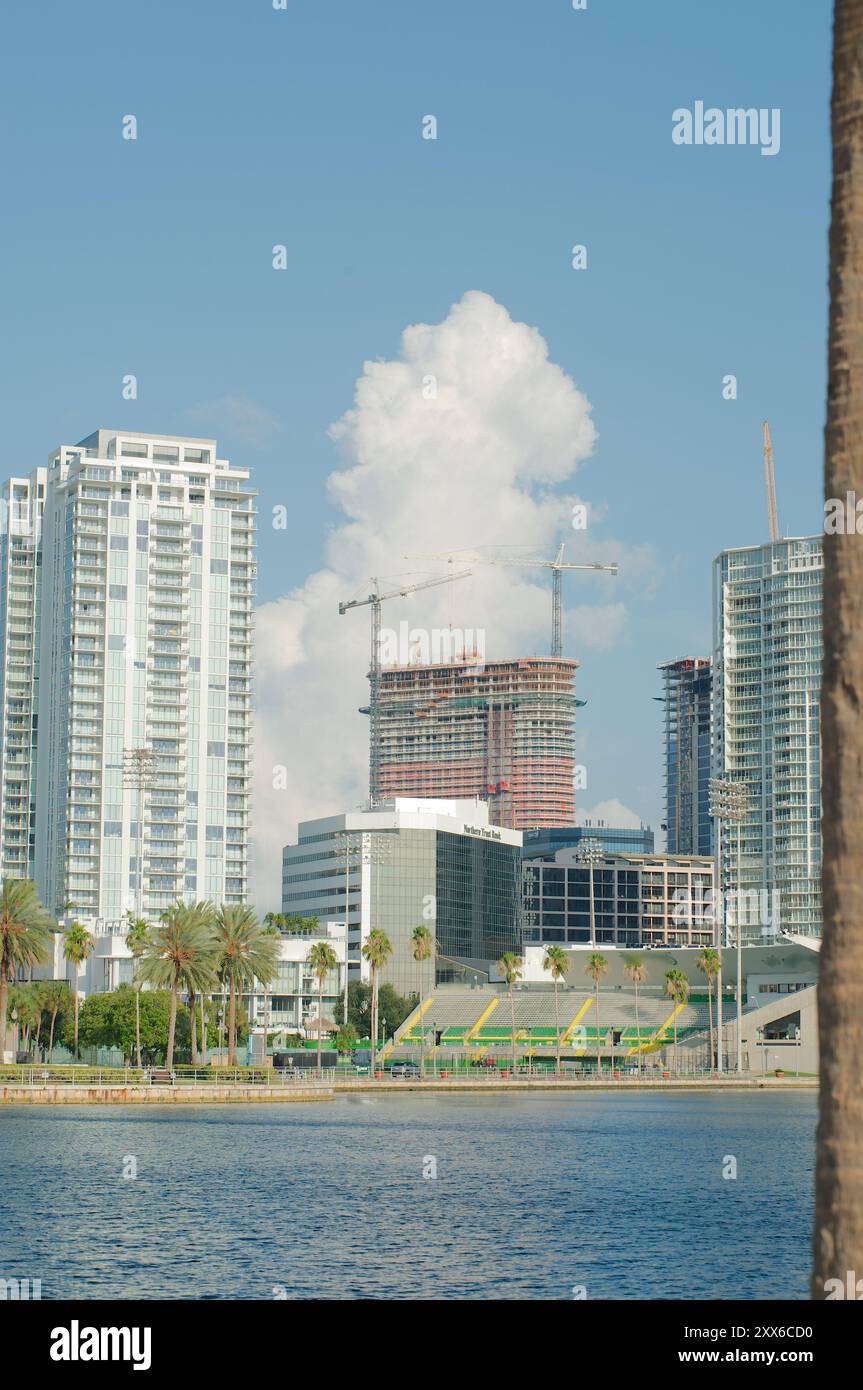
(20, 582)
(127, 641)
(686, 700)
(767, 639)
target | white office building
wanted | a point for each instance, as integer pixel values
(137, 645)
(766, 689)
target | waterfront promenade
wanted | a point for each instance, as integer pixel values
(35, 1086)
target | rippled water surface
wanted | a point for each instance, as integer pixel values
(621, 1194)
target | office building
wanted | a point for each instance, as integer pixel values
(612, 839)
(143, 627)
(767, 638)
(639, 900)
(686, 701)
(411, 862)
(502, 732)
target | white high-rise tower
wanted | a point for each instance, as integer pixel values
(145, 665)
(766, 688)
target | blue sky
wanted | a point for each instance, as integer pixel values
(302, 127)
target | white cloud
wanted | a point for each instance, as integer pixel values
(612, 813)
(472, 466)
(238, 417)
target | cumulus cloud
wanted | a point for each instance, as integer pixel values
(462, 441)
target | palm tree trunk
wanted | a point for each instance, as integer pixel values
(51, 1036)
(4, 1005)
(374, 1019)
(75, 1002)
(138, 1024)
(557, 1025)
(598, 1033)
(421, 1021)
(320, 1016)
(172, 1023)
(193, 1029)
(710, 1009)
(512, 1018)
(232, 1024)
(838, 1233)
(637, 1027)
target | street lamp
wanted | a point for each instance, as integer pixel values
(139, 772)
(590, 852)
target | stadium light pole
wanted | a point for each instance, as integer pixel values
(590, 852)
(730, 802)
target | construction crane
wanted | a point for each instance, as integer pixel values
(375, 599)
(770, 485)
(557, 566)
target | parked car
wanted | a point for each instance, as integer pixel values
(404, 1069)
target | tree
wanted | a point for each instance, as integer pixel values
(78, 946)
(423, 944)
(245, 953)
(596, 967)
(708, 964)
(838, 1229)
(55, 1000)
(25, 938)
(23, 1002)
(181, 952)
(636, 971)
(677, 986)
(509, 966)
(377, 950)
(346, 1039)
(556, 961)
(322, 962)
(137, 940)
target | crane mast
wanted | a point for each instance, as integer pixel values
(374, 600)
(770, 485)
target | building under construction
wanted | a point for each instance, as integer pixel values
(502, 731)
(686, 696)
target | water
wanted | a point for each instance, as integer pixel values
(533, 1196)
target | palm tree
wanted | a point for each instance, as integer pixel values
(838, 1232)
(422, 943)
(636, 970)
(596, 968)
(181, 952)
(78, 946)
(509, 966)
(24, 1003)
(322, 961)
(556, 961)
(54, 998)
(377, 949)
(25, 937)
(245, 952)
(137, 940)
(677, 986)
(708, 964)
